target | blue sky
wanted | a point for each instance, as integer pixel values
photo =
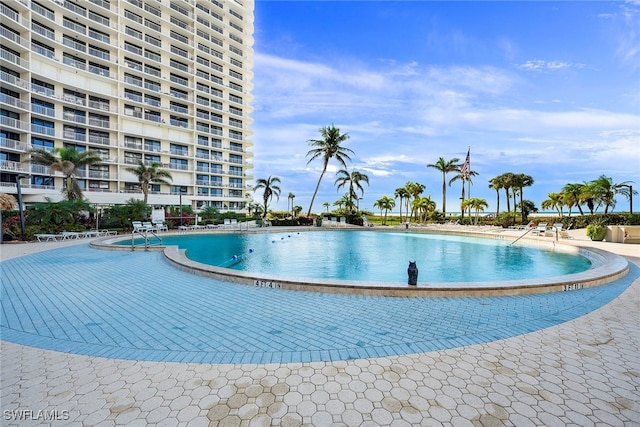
(549, 89)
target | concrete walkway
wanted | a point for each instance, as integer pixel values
(584, 372)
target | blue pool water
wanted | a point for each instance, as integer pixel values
(377, 256)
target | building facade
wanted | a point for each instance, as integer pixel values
(165, 81)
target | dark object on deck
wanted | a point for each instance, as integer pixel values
(412, 271)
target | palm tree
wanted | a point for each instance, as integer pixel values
(270, 188)
(328, 148)
(462, 178)
(496, 184)
(326, 205)
(148, 175)
(507, 183)
(354, 180)
(415, 189)
(70, 162)
(445, 166)
(604, 191)
(572, 196)
(401, 193)
(424, 205)
(477, 204)
(554, 201)
(290, 197)
(385, 203)
(521, 181)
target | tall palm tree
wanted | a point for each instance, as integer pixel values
(507, 183)
(415, 189)
(496, 184)
(290, 198)
(354, 180)
(401, 193)
(522, 180)
(445, 166)
(327, 148)
(326, 205)
(270, 188)
(70, 162)
(148, 175)
(385, 204)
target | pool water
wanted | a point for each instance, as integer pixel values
(377, 256)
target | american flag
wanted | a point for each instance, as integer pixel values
(466, 166)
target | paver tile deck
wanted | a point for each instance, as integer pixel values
(584, 371)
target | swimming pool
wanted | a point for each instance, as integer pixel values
(377, 256)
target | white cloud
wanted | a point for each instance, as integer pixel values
(539, 65)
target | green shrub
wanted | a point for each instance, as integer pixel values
(596, 232)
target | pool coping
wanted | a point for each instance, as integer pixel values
(606, 267)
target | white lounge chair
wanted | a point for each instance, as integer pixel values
(334, 221)
(161, 226)
(343, 221)
(234, 223)
(45, 237)
(540, 229)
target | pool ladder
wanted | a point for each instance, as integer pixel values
(144, 232)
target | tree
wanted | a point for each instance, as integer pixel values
(423, 206)
(604, 191)
(527, 206)
(270, 188)
(554, 201)
(522, 180)
(415, 189)
(402, 194)
(496, 184)
(70, 162)
(353, 180)
(445, 166)
(385, 204)
(290, 198)
(148, 175)
(296, 210)
(326, 205)
(572, 196)
(462, 178)
(327, 148)
(507, 184)
(475, 204)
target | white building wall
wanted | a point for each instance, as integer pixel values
(120, 76)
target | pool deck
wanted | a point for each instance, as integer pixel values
(584, 372)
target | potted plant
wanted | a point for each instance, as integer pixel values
(596, 232)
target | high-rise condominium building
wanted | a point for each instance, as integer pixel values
(166, 81)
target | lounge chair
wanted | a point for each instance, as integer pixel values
(234, 223)
(334, 221)
(343, 221)
(227, 223)
(541, 228)
(45, 237)
(161, 226)
(325, 220)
